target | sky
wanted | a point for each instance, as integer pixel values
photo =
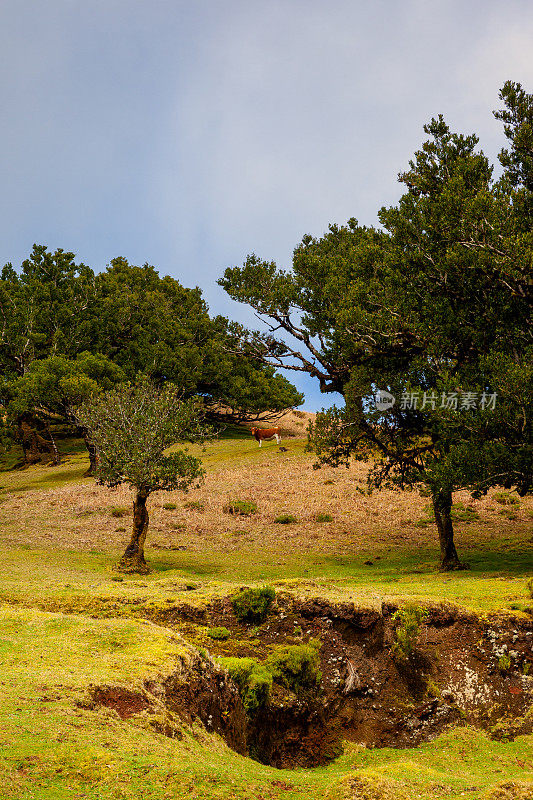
(189, 134)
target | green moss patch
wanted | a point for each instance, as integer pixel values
(253, 680)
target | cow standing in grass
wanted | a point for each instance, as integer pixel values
(261, 434)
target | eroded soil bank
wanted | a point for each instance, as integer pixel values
(463, 668)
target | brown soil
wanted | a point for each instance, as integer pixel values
(464, 668)
(196, 691)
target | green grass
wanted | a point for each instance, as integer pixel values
(70, 624)
(286, 519)
(492, 583)
(243, 508)
(54, 749)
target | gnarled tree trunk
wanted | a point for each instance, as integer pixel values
(93, 454)
(442, 506)
(35, 447)
(133, 558)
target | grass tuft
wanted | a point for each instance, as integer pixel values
(219, 634)
(242, 508)
(286, 519)
(119, 511)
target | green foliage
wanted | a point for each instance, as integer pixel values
(129, 321)
(169, 506)
(243, 508)
(132, 426)
(285, 519)
(504, 663)
(58, 384)
(407, 625)
(297, 667)
(322, 517)
(252, 605)
(253, 680)
(220, 634)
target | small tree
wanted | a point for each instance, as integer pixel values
(131, 427)
(51, 389)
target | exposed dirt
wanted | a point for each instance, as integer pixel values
(124, 701)
(197, 690)
(463, 668)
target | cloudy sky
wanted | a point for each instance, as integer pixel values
(188, 134)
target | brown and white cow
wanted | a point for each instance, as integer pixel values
(266, 433)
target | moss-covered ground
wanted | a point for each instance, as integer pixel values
(66, 622)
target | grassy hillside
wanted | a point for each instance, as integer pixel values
(67, 623)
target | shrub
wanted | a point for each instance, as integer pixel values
(505, 499)
(251, 605)
(243, 508)
(118, 511)
(504, 663)
(220, 634)
(324, 518)
(296, 666)
(169, 506)
(407, 621)
(285, 519)
(253, 680)
(195, 505)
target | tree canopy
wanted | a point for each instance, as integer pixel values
(58, 317)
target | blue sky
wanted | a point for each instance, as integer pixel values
(188, 134)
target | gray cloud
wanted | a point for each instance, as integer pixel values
(189, 134)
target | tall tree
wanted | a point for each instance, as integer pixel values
(127, 316)
(45, 309)
(421, 310)
(132, 426)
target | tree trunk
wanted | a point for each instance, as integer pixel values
(57, 458)
(35, 447)
(93, 454)
(442, 506)
(133, 558)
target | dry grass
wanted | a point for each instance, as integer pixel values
(79, 516)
